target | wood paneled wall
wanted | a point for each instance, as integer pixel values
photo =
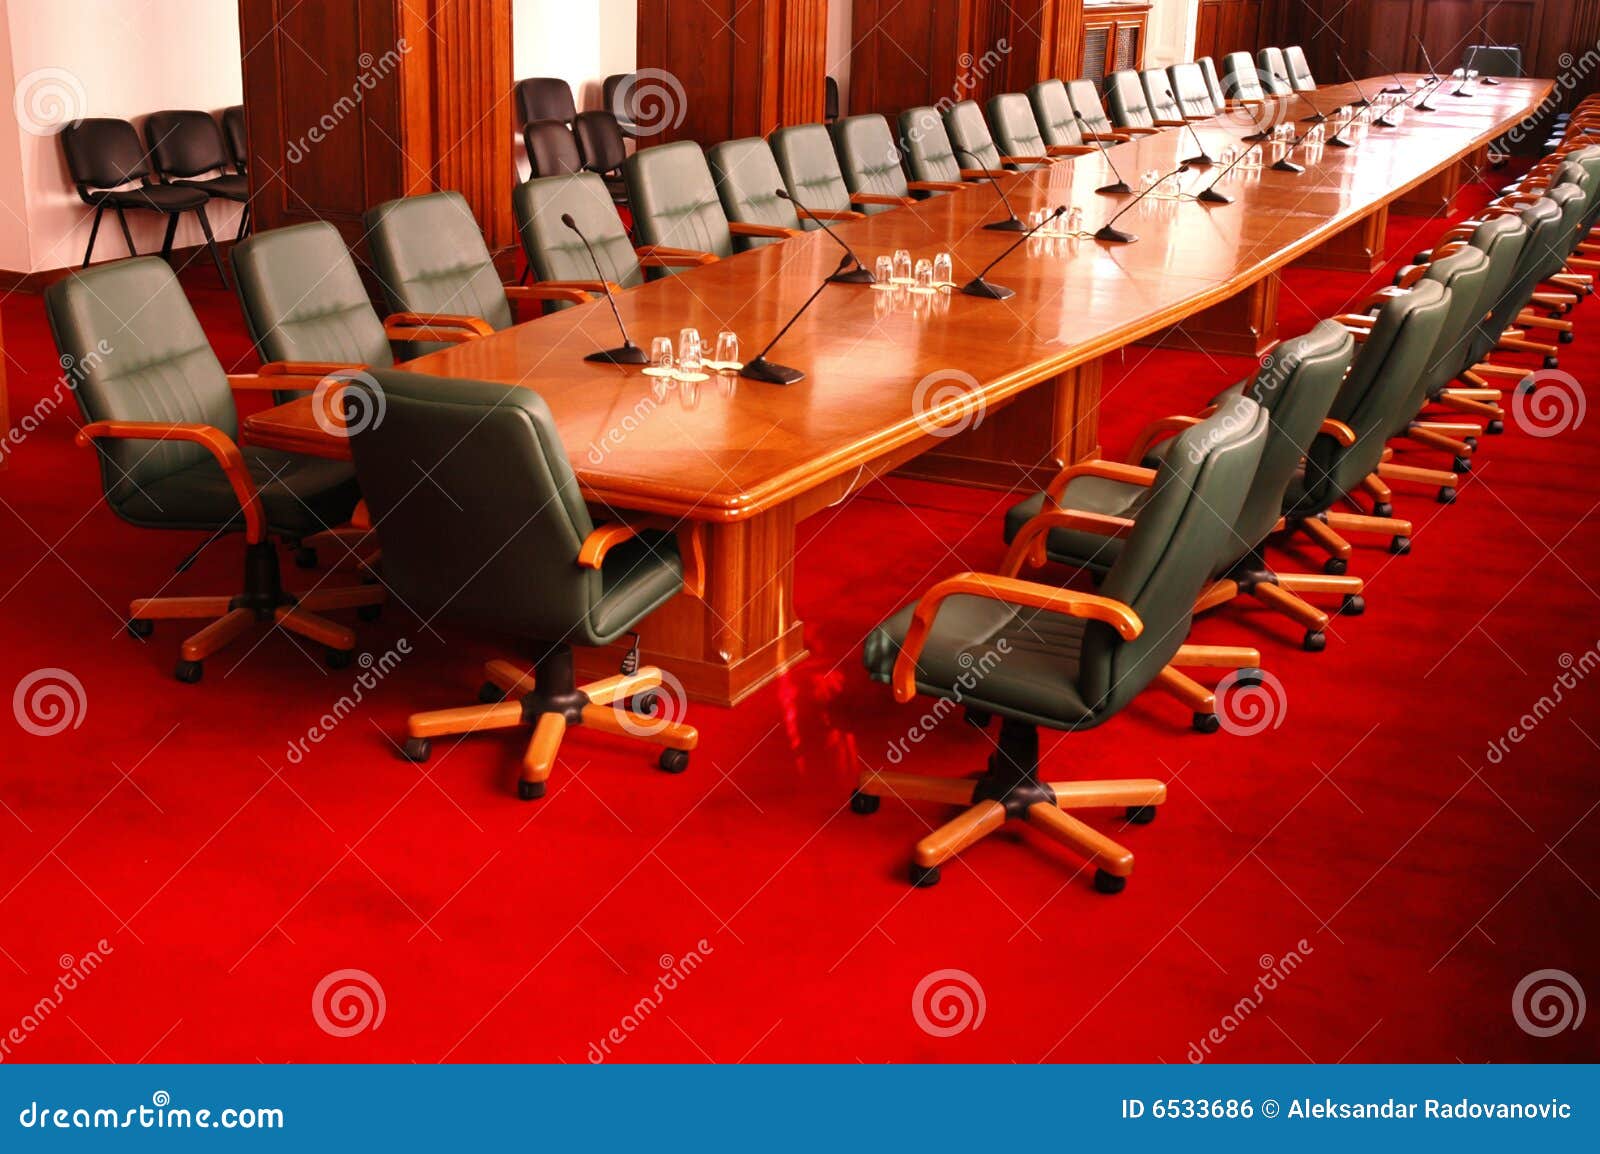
(1225, 26)
(733, 68)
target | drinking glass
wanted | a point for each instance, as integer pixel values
(944, 269)
(1149, 178)
(924, 275)
(690, 356)
(727, 350)
(883, 271)
(902, 265)
(1074, 219)
(661, 358)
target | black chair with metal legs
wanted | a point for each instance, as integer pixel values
(544, 98)
(604, 150)
(190, 151)
(110, 169)
(552, 149)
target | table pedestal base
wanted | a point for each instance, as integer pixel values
(1244, 325)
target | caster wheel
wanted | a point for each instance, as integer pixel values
(1400, 546)
(1566, 338)
(1315, 641)
(1383, 509)
(1471, 443)
(1353, 605)
(978, 718)
(645, 704)
(1109, 883)
(1140, 814)
(530, 790)
(141, 627)
(490, 694)
(1495, 427)
(1335, 566)
(1447, 495)
(338, 658)
(1207, 722)
(188, 672)
(305, 558)
(924, 876)
(1461, 465)
(1249, 677)
(863, 802)
(416, 749)
(1550, 362)
(370, 612)
(673, 760)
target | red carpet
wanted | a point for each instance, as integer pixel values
(1392, 883)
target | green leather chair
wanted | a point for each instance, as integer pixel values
(501, 540)
(675, 201)
(160, 409)
(1241, 83)
(1296, 386)
(747, 179)
(1208, 70)
(870, 163)
(811, 172)
(1085, 101)
(1189, 86)
(1042, 656)
(1018, 135)
(930, 156)
(436, 273)
(1052, 111)
(1160, 97)
(1273, 71)
(1130, 106)
(1299, 71)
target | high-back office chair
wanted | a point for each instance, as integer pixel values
(234, 131)
(1018, 135)
(1052, 111)
(190, 152)
(604, 150)
(1085, 101)
(930, 157)
(830, 99)
(552, 149)
(810, 170)
(1241, 83)
(870, 163)
(1160, 97)
(501, 539)
(1273, 72)
(675, 203)
(1194, 96)
(975, 146)
(1295, 385)
(1208, 71)
(110, 169)
(617, 98)
(544, 98)
(747, 179)
(1501, 240)
(160, 410)
(1130, 107)
(1294, 57)
(1062, 659)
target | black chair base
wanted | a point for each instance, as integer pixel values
(166, 242)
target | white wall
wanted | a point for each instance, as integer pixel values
(581, 41)
(104, 58)
(1172, 27)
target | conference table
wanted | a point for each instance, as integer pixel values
(995, 393)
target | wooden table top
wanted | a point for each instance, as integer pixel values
(730, 448)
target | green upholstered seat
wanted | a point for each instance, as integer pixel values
(1545, 226)
(1466, 274)
(1085, 100)
(747, 178)
(926, 146)
(1159, 95)
(1295, 386)
(674, 200)
(430, 259)
(1501, 240)
(1015, 131)
(554, 251)
(1208, 70)
(1061, 672)
(493, 540)
(1189, 86)
(142, 356)
(1240, 80)
(1273, 72)
(1052, 111)
(1294, 57)
(1130, 107)
(810, 169)
(869, 159)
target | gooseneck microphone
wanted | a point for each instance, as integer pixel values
(762, 369)
(1110, 233)
(1317, 115)
(1259, 125)
(858, 275)
(1204, 160)
(1399, 88)
(1382, 119)
(628, 353)
(1013, 224)
(1119, 187)
(1433, 73)
(1493, 47)
(978, 287)
(1428, 91)
(1209, 194)
(1466, 73)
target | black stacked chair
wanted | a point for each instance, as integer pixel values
(830, 99)
(601, 142)
(190, 151)
(552, 149)
(234, 132)
(545, 98)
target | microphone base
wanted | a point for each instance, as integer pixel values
(1462, 95)
(978, 287)
(1314, 118)
(1383, 122)
(1212, 196)
(628, 354)
(1114, 235)
(1120, 188)
(1201, 161)
(1396, 90)
(1424, 107)
(1338, 142)
(1256, 137)
(1364, 102)
(1012, 225)
(762, 369)
(1489, 80)
(857, 275)
(1287, 165)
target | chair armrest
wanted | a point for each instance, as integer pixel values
(318, 369)
(552, 290)
(983, 173)
(1339, 431)
(1139, 130)
(1088, 606)
(1071, 149)
(1119, 137)
(1109, 470)
(665, 256)
(691, 546)
(779, 232)
(219, 444)
(879, 198)
(1025, 159)
(1032, 540)
(1171, 123)
(1157, 431)
(435, 327)
(841, 213)
(935, 185)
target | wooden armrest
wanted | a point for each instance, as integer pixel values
(1071, 149)
(246, 382)
(1157, 431)
(1118, 137)
(435, 327)
(691, 546)
(1171, 123)
(1339, 431)
(555, 290)
(219, 444)
(665, 256)
(935, 185)
(839, 213)
(983, 173)
(318, 369)
(1024, 160)
(1089, 606)
(1139, 130)
(878, 198)
(1109, 470)
(744, 228)
(1032, 540)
